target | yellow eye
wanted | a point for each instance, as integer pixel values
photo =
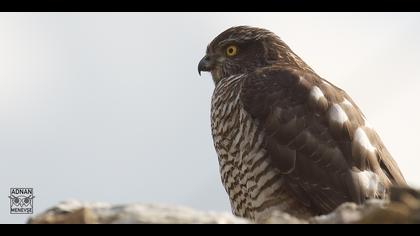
(231, 51)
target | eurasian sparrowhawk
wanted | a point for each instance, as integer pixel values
(286, 138)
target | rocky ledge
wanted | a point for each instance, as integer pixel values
(403, 207)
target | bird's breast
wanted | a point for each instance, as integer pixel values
(254, 187)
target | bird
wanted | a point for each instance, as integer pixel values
(287, 139)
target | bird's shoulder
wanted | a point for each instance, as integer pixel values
(296, 83)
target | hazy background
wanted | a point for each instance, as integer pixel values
(110, 107)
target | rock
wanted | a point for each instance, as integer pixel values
(349, 213)
(279, 217)
(75, 212)
(403, 207)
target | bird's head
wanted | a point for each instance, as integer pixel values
(244, 49)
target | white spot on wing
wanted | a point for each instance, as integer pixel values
(301, 78)
(361, 138)
(369, 181)
(316, 93)
(337, 114)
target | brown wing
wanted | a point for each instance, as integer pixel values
(310, 143)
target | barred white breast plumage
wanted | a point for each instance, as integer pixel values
(287, 139)
(253, 187)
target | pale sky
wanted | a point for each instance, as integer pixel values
(110, 107)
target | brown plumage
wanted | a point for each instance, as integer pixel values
(286, 138)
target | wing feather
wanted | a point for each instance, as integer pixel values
(314, 156)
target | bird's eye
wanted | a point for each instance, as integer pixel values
(231, 51)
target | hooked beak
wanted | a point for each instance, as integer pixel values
(205, 64)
